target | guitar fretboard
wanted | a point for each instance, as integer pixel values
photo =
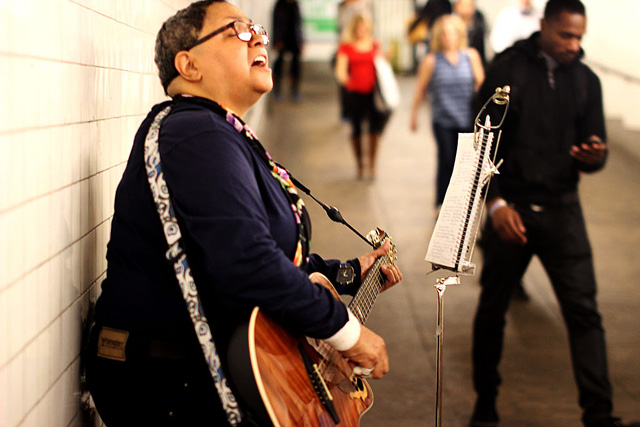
(365, 298)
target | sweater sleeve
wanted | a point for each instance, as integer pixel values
(226, 203)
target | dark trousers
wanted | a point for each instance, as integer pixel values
(557, 235)
(294, 71)
(447, 142)
(360, 107)
(152, 390)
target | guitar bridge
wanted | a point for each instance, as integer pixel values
(319, 385)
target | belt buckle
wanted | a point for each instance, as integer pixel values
(536, 208)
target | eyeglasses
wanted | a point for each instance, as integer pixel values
(244, 31)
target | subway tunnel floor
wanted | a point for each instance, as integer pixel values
(538, 389)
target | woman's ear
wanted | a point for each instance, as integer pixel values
(186, 67)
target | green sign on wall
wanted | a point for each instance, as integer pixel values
(319, 17)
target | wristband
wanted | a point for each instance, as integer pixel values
(497, 205)
(347, 336)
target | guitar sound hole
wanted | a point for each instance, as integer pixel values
(354, 385)
(347, 386)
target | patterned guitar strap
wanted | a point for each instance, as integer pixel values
(178, 257)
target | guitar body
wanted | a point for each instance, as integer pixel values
(279, 389)
(286, 380)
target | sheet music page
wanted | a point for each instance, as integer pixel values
(445, 241)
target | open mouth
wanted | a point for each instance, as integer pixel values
(259, 61)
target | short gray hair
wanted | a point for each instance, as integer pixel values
(178, 33)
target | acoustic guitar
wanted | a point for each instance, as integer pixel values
(300, 381)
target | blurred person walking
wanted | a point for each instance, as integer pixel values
(347, 9)
(451, 72)
(476, 26)
(287, 40)
(420, 27)
(355, 70)
(513, 23)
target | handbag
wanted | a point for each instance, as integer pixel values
(418, 31)
(387, 92)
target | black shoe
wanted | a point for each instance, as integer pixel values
(617, 422)
(484, 414)
(612, 422)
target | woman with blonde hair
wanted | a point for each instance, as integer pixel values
(355, 71)
(451, 72)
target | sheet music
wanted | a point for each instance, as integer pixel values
(453, 238)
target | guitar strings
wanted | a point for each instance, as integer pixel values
(369, 293)
(366, 297)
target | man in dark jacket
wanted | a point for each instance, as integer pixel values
(553, 132)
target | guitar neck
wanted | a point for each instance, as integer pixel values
(365, 298)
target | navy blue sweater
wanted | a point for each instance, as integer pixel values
(239, 232)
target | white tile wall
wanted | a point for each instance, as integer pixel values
(80, 77)
(391, 18)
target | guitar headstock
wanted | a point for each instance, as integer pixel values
(377, 238)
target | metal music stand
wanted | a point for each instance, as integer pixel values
(500, 98)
